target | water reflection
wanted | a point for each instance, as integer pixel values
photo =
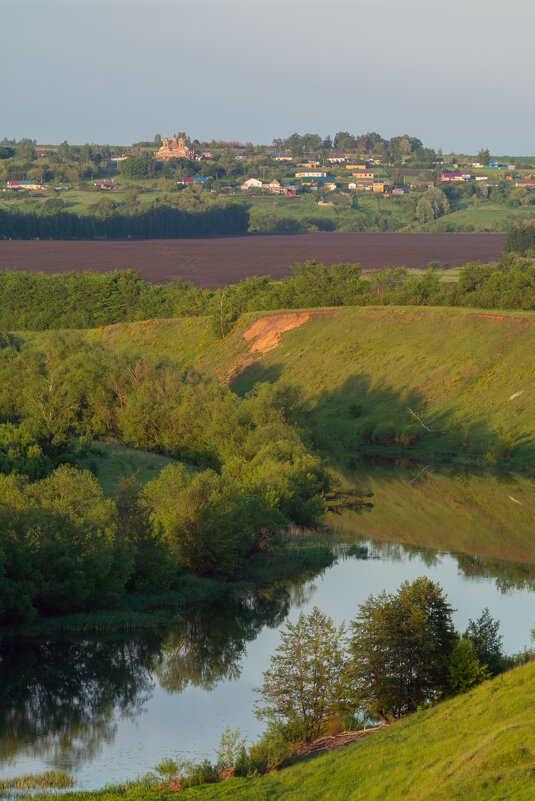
(67, 703)
(61, 699)
(209, 644)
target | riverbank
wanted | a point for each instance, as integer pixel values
(478, 745)
(302, 558)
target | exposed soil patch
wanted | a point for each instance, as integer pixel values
(215, 262)
(502, 317)
(265, 334)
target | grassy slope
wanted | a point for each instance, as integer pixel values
(458, 368)
(477, 746)
(113, 462)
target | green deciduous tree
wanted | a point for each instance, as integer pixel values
(400, 648)
(305, 684)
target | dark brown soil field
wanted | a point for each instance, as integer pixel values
(212, 263)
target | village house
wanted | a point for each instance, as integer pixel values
(311, 174)
(355, 166)
(274, 187)
(337, 158)
(251, 183)
(450, 178)
(281, 155)
(290, 190)
(363, 174)
(419, 186)
(22, 185)
(105, 184)
(193, 179)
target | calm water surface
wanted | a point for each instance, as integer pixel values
(109, 708)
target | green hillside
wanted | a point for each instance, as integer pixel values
(468, 375)
(477, 746)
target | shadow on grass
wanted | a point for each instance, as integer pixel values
(365, 414)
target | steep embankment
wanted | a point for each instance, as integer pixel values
(478, 746)
(468, 375)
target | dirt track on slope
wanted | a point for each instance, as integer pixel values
(215, 262)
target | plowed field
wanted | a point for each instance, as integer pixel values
(215, 262)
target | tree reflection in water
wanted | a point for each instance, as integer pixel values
(61, 700)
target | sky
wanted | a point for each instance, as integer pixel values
(457, 74)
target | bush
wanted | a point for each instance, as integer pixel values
(355, 409)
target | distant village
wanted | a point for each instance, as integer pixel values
(283, 173)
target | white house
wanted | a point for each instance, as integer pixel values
(252, 183)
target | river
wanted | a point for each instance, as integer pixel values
(109, 708)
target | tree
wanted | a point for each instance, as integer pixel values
(483, 157)
(304, 685)
(487, 643)
(465, 670)
(400, 648)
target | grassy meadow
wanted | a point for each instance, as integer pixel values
(111, 462)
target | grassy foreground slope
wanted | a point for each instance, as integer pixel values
(477, 746)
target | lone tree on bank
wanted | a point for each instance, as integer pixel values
(304, 685)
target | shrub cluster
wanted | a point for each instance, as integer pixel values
(36, 301)
(245, 474)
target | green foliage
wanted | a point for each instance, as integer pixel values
(304, 684)
(186, 773)
(230, 753)
(464, 669)
(59, 542)
(106, 220)
(38, 301)
(520, 239)
(56, 779)
(487, 643)
(82, 553)
(400, 648)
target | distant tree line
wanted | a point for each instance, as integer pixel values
(36, 301)
(520, 239)
(157, 222)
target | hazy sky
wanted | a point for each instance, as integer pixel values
(456, 74)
